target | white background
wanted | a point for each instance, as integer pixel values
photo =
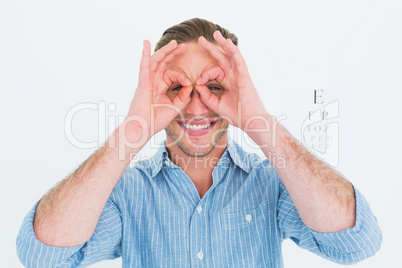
(57, 54)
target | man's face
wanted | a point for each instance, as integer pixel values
(198, 130)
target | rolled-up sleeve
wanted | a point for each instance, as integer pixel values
(346, 247)
(105, 243)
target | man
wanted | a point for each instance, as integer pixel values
(201, 201)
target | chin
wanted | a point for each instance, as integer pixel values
(196, 153)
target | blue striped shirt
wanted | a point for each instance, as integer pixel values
(155, 218)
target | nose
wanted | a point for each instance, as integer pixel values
(196, 106)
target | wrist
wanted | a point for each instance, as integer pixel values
(128, 139)
(265, 130)
(259, 128)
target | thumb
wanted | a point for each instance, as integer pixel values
(209, 99)
(183, 98)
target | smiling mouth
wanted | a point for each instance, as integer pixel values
(195, 127)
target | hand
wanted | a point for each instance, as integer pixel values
(151, 110)
(239, 103)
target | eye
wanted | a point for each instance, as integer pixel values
(214, 88)
(176, 88)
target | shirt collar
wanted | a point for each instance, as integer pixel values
(232, 154)
(239, 156)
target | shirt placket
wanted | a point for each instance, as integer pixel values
(198, 235)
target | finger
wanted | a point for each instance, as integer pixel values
(183, 98)
(230, 49)
(171, 76)
(224, 43)
(161, 68)
(145, 60)
(218, 55)
(208, 98)
(159, 55)
(219, 38)
(214, 73)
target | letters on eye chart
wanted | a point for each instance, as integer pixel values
(321, 127)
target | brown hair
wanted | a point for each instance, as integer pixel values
(191, 30)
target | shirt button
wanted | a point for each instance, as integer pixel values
(248, 217)
(200, 255)
(199, 209)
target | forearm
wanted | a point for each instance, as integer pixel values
(68, 214)
(324, 200)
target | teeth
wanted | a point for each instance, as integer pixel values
(196, 127)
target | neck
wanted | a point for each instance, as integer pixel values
(198, 168)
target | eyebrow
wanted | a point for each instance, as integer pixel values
(213, 80)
